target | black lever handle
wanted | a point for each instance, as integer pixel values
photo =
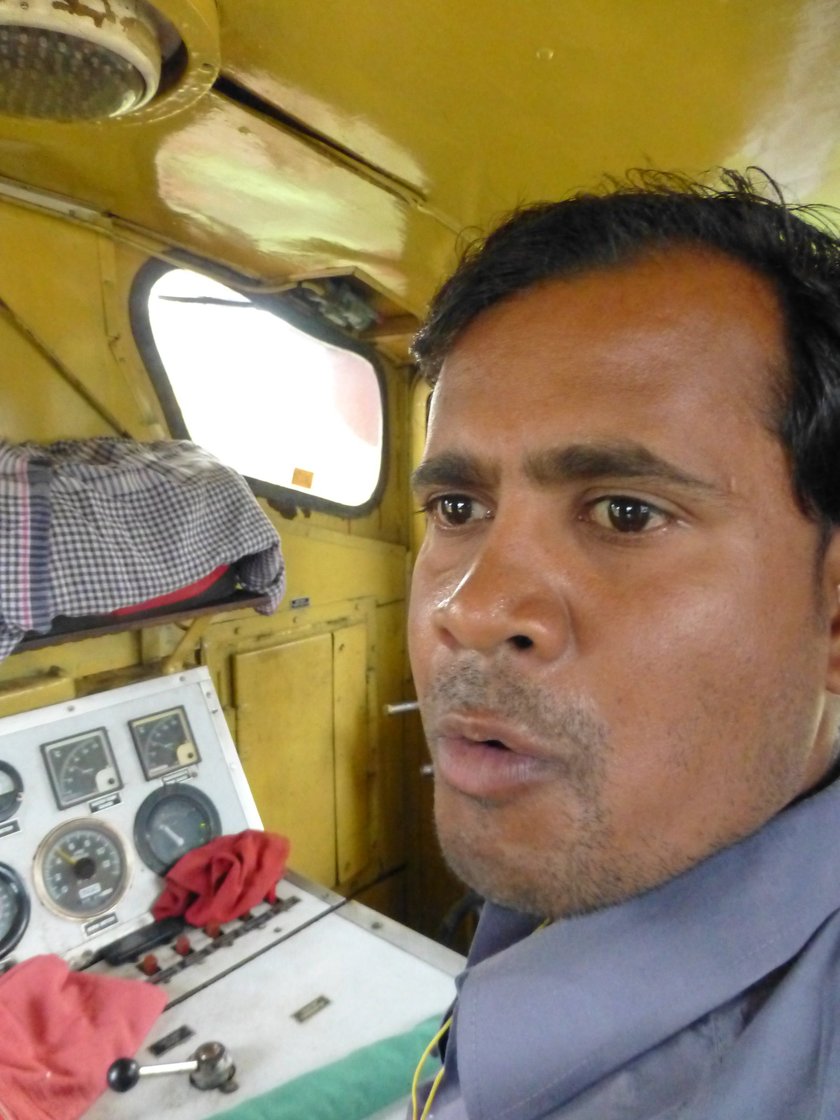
(210, 1067)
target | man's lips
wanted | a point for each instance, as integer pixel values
(486, 757)
(486, 728)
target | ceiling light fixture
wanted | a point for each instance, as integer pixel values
(65, 60)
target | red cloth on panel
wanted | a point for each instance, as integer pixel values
(224, 878)
(60, 1031)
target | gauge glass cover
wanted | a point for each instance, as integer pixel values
(81, 767)
(164, 742)
(11, 791)
(82, 869)
(171, 822)
(14, 909)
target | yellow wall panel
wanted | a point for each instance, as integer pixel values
(354, 772)
(285, 729)
(37, 403)
(390, 670)
(327, 567)
(53, 291)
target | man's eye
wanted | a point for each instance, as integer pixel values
(627, 515)
(452, 510)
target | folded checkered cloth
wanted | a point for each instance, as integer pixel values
(89, 526)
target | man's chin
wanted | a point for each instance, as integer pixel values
(566, 887)
(494, 881)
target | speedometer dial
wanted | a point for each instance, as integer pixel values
(81, 869)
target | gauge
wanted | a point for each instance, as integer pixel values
(81, 767)
(14, 909)
(164, 742)
(81, 868)
(11, 791)
(172, 821)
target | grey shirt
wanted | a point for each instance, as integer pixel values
(713, 997)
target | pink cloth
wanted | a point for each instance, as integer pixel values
(224, 878)
(60, 1031)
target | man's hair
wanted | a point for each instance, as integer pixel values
(793, 246)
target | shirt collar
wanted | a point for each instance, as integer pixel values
(544, 1018)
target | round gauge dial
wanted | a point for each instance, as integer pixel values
(81, 869)
(14, 909)
(11, 791)
(171, 822)
(164, 742)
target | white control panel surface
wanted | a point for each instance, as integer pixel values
(350, 979)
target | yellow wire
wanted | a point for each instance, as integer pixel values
(431, 1096)
(424, 1057)
(416, 1080)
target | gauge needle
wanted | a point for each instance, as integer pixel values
(173, 835)
(66, 857)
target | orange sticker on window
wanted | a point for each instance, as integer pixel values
(302, 478)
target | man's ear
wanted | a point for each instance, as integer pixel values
(831, 584)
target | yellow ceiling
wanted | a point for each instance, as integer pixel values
(384, 127)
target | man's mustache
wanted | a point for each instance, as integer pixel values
(566, 726)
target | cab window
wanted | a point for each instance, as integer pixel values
(285, 399)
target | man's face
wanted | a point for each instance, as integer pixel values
(620, 628)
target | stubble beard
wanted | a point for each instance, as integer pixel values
(579, 862)
(577, 868)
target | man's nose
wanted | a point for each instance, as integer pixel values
(510, 597)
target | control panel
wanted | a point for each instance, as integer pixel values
(99, 796)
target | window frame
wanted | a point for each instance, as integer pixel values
(286, 500)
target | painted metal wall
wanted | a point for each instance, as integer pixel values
(303, 690)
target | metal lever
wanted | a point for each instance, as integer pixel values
(210, 1067)
(401, 708)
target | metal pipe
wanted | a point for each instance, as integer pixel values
(401, 708)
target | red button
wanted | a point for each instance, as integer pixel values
(182, 946)
(149, 964)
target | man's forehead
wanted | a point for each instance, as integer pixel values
(643, 286)
(685, 314)
(671, 369)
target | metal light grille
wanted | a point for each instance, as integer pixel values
(51, 75)
(77, 62)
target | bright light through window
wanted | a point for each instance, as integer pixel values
(269, 400)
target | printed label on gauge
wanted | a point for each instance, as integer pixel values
(92, 928)
(81, 767)
(164, 742)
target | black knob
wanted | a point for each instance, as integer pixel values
(123, 1074)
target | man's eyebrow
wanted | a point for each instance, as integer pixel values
(585, 461)
(577, 462)
(453, 469)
